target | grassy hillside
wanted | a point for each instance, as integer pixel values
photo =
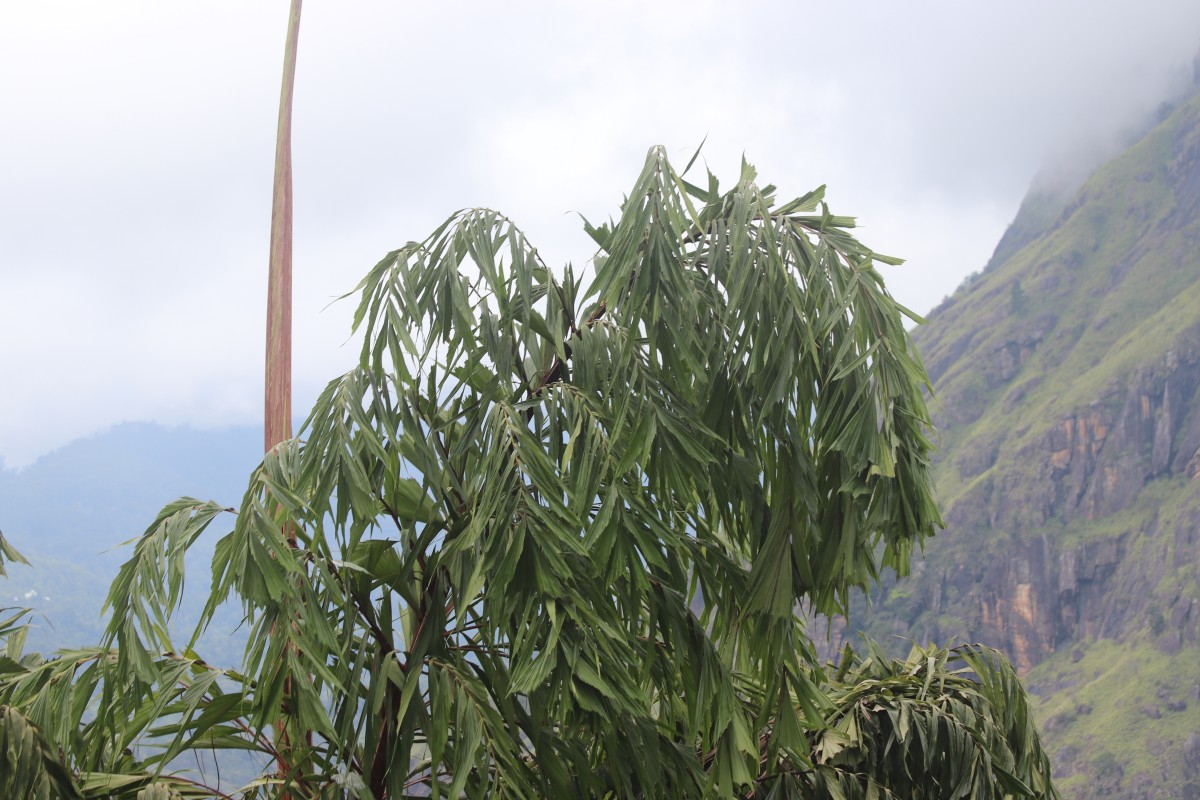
(1120, 715)
(1067, 396)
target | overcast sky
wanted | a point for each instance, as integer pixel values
(137, 144)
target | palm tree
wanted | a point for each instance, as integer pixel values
(551, 533)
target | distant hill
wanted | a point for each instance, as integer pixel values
(1067, 396)
(69, 511)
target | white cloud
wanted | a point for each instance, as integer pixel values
(138, 140)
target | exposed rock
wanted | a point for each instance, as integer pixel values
(977, 456)
(1063, 762)
(1089, 466)
(1190, 767)
(1006, 360)
(1191, 755)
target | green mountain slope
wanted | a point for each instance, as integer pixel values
(1067, 395)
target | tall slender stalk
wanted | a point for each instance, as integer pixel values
(278, 407)
(277, 420)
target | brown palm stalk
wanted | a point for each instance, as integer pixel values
(278, 418)
(277, 421)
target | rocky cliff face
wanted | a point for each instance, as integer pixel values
(1093, 462)
(1067, 396)
(1091, 466)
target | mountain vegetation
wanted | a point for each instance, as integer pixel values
(1067, 399)
(548, 539)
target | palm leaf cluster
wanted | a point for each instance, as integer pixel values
(942, 723)
(549, 536)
